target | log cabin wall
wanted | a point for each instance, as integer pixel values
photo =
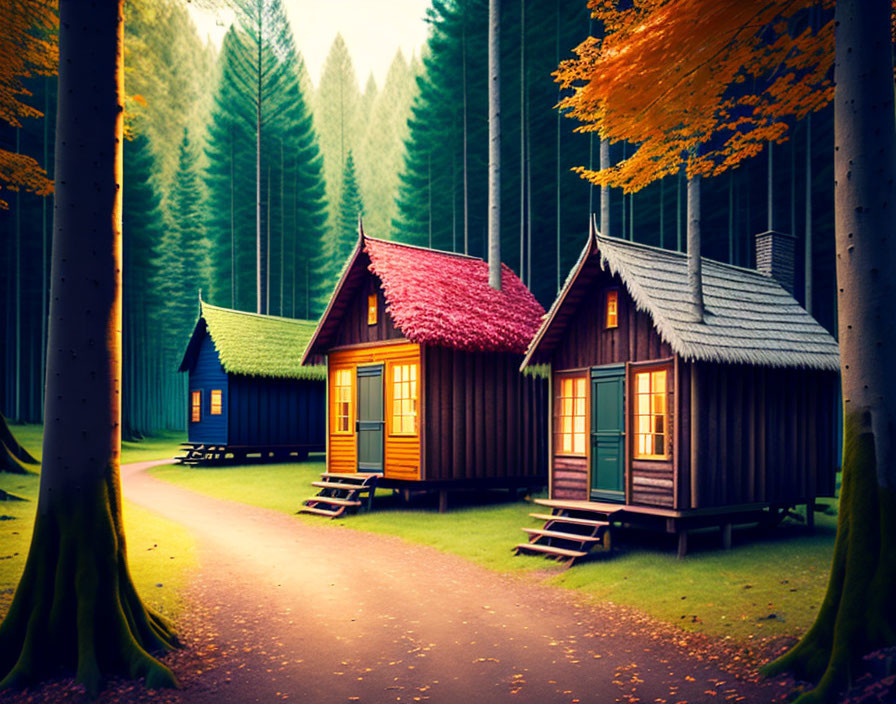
(765, 435)
(271, 412)
(586, 343)
(354, 328)
(482, 418)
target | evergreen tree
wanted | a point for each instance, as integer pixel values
(336, 117)
(292, 193)
(142, 227)
(336, 254)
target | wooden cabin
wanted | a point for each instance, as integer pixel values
(423, 372)
(249, 395)
(676, 424)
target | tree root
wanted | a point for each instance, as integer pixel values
(858, 614)
(76, 608)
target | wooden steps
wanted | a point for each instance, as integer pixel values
(194, 454)
(570, 532)
(339, 492)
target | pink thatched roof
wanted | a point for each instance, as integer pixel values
(433, 298)
(443, 299)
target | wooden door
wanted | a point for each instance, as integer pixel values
(370, 418)
(608, 433)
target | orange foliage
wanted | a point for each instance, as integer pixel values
(27, 47)
(672, 77)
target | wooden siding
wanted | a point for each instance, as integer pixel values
(205, 375)
(570, 479)
(765, 435)
(401, 452)
(353, 328)
(587, 343)
(267, 412)
(484, 420)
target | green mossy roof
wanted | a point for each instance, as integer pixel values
(261, 345)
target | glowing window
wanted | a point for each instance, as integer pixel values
(570, 421)
(650, 416)
(371, 309)
(342, 401)
(215, 405)
(612, 309)
(404, 399)
(195, 406)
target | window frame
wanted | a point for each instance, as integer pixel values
(558, 416)
(372, 308)
(195, 408)
(669, 392)
(614, 292)
(391, 406)
(211, 402)
(350, 372)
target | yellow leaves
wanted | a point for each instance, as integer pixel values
(662, 79)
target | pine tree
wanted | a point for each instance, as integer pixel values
(336, 254)
(142, 227)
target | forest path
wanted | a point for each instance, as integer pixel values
(280, 609)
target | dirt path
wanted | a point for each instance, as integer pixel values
(322, 614)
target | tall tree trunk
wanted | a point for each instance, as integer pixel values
(259, 291)
(695, 263)
(494, 144)
(44, 251)
(557, 148)
(463, 69)
(807, 289)
(771, 186)
(76, 607)
(232, 222)
(731, 217)
(522, 138)
(17, 378)
(678, 211)
(858, 613)
(605, 190)
(282, 228)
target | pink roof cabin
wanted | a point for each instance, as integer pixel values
(423, 372)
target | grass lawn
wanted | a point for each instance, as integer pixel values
(160, 552)
(770, 585)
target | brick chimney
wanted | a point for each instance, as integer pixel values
(775, 257)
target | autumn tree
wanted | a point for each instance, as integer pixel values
(27, 48)
(76, 607)
(719, 101)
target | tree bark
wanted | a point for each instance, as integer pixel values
(605, 190)
(695, 263)
(858, 614)
(76, 607)
(494, 144)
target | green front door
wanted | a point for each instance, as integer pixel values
(608, 433)
(370, 418)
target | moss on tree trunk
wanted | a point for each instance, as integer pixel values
(76, 609)
(858, 614)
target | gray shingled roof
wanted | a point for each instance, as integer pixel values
(750, 318)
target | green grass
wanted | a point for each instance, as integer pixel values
(155, 448)
(770, 584)
(160, 552)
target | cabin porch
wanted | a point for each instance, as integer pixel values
(657, 519)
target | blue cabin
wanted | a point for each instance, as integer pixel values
(249, 396)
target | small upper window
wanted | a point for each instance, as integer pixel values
(612, 308)
(215, 404)
(195, 406)
(371, 309)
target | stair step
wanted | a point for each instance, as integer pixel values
(319, 511)
(359, 477)
(334, 501)
(562, 536)
(572, 521)
(549, 550)
(340, 485)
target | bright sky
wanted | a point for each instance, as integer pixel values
(373, 30)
